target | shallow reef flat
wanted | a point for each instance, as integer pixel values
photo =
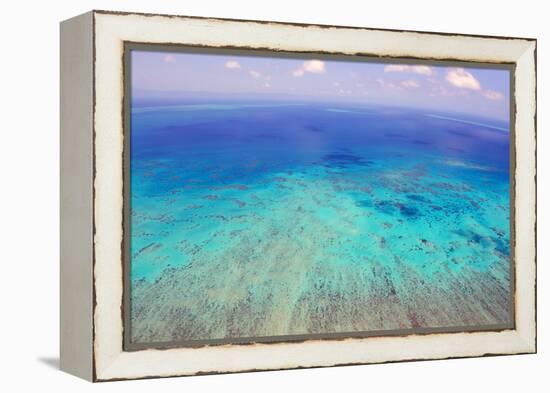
(354, 238)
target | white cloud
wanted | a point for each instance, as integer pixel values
(492, 95)
(389, 85)
(396, 68)
(461, 78)
(313, 66)
(416, 69)
(254, 74)
(422, 70)
(232, 64)
(410, 84)
(169, 59)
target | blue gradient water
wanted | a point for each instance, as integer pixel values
(271, 219)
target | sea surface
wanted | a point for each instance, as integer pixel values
(273, 219)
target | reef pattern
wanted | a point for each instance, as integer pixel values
(273, 220)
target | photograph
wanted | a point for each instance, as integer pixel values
(274, 197)
(257, 197)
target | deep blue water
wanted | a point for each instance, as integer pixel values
(423, 196)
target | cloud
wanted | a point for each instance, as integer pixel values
(492, 95)
(232, 64)
(461, 78)
(416, 69)
(383, 84)
(169, 59)
(396, 68)
(410, 84)
(254, 74)
(313, 66)
(423, 70)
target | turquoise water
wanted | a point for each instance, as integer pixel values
(252, 220)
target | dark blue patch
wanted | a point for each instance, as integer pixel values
(486, 242)
(339, 160)
(418, 198)
(476, 238)
(501, 246)
(385, 207)
(364, 203)
(409, 211)
(460, 133)
(341, 157)
(313, 129)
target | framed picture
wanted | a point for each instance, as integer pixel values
(245, 195)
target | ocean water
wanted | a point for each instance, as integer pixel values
(259, 220)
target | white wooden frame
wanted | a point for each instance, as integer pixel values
(92, 194)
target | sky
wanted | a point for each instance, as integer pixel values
(473, 91)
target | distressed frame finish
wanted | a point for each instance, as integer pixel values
(92, 190)
(174, 48)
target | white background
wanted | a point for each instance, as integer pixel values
(29, 182)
